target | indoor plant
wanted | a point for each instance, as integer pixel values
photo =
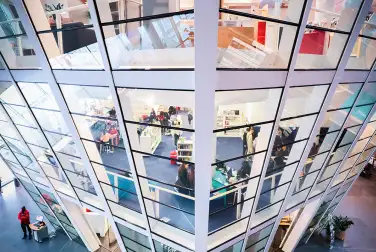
(341, 224)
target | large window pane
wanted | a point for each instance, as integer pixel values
(19, 53)
(57, 15)
(245, 141)
(333, 14)
(358, 115)
(38, 95)
(320, 49)
(368, 94)
(362, 55)
(286, 11)
(149, 106)
(304, 100)
(128, 9)
(238, 108)
(72, 48)
(240, 44)
(51, 121)
(345, 95)
(158, 43)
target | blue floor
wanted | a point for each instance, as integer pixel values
(11, 200)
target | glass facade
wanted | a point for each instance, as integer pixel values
(102, 105)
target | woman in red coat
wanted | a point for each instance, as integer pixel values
(24, 218)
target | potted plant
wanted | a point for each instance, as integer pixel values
(341, 224)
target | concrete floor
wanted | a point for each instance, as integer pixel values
(11, 200)
(360, 206)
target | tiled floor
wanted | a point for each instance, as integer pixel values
(360, 206)
(11, 200)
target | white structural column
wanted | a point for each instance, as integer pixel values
(290, 73)
(337, 77)
(110, 81)
(43, 60)
(300, 227)
(206, 35)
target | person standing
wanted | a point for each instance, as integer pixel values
(245, 141)
(190, 117)
(24, 218)
(250, 137)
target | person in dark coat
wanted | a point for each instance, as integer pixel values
(24, 218)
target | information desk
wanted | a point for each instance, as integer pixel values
(39, 232)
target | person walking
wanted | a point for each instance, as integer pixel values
(24, 218)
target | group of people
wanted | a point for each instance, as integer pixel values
(186, 179)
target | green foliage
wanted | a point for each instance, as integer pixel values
(340, 224)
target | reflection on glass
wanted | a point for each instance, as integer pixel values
(305, 182)
(51, 121)
(320, 49)
(369, 130)
(334, 15)
(9, 94)
(348, 135)
(238, 108)
(329, 171)
(323, 143)
(38, 95)
(338, 154)
(293, 130)
(237, 247)
(160, 247)
(282, 10)
(368, 94)
(134, 240)
(73, 48)
(57, 15)
(304, 100)
(272, 196)
(359, 146)
(19, 115)
(89, 100)
(32, 136)
(349, 162)
(285, 154)
(241, 45)
(19, 53)
(314, 163)
(157, 43)
(358, 115)
(258, 237)
(345, 95)
(160, 107)
(362, 55)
